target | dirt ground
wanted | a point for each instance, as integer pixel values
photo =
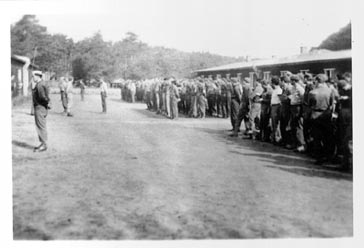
(131, 174)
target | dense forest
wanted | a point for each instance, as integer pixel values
(92, 57)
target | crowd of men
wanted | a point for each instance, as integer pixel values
(308, 114)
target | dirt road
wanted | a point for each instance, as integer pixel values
(131, 174)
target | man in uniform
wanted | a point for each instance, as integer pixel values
(193, 105)
(82, 88)
(201, 99)
(221, 99)
(167, 89)
(41, 102)
(62, 88)
(103, 92)
(235, 102)
(229, 92)
(175, 98)
(211, 97)
(69, 96)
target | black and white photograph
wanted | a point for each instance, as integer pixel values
(181, 120)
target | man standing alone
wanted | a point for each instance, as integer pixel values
(82, 88)
(103, 92)
(41, 104)
(69, 95)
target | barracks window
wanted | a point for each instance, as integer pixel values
(266, 75)
(329, 72)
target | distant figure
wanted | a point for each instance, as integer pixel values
(103, 92)
(82, 88)
(132, 88)
(41, 103)
(69, 96)
(175, 98)
(62, 89)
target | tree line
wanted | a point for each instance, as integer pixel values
(93, 57)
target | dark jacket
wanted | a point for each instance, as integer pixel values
(41, 95)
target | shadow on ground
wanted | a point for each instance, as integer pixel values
(278, 157)
(22, 144)
(149, 114)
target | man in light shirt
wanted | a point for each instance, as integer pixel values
(69, 95)
(296, 99)
(103, 92)
(275, 113)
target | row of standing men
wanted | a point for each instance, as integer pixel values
(308, 114)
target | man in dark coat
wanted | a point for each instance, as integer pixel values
(41, 104)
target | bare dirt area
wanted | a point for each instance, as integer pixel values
(132, 174)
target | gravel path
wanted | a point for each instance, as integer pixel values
(131, 174)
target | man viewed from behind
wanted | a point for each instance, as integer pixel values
(320, 102)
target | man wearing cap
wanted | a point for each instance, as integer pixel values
(41, 103)
(320, 101)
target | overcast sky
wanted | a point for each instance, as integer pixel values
(259, 28)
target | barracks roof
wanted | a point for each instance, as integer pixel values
(315, 55)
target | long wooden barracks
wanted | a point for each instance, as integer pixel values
(315, 61)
